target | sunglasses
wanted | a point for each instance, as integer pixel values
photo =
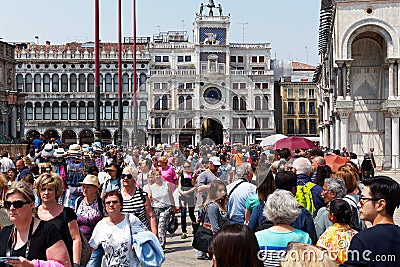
(17, 204)
(109, 202)
(128, 176)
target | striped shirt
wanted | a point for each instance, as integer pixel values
(136, 205)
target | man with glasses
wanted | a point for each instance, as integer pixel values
(333, 188)
(380, 244)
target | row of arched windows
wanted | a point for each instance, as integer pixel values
(81, 111)
(260, 103)
(76, 83)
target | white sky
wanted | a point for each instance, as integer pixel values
(290, 25)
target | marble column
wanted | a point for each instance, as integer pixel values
(388, 140)
(340, 80)
(398, 78)
(337, 144)
(13, 132)
(344, 131)
(391, 79)
(395, 138)
(347, 84)
(22, 120)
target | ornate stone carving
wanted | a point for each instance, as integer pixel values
(344, 113)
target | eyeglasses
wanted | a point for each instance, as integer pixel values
(17, 204)
(128, 176)
(363, 200)
(112, 201)
(326, 190)
(186, 166)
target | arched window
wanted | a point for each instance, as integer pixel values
(72, 111)
(46, 111)
(108, 111)
(64, 83)
(90, 111)
(38, 111)
(157, 103)
(235, 103)
(20, 83)
(46, 83)
(55, 83)
(181, 103)
(115, 110)
(116, 83)
(64, 110)
(142, 110)
(90, 80)
(38, 83)
(28, 83)
(82, 82)
(82, 111)
(125, 109)
(242, 103)
(72, 83)
(125, 83)
(56, 111)
(257, 103)
(101, 82)
(29, 111)
(108, 82)
(189, 103)
(142, 82)
(164, 102)
(265, 103)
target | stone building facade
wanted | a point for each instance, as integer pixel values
(10, 99)
(208, 90)
(359, 77)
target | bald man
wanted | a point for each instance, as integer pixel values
(22, 169)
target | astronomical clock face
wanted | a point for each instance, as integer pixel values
(213, 36)
(212, 95)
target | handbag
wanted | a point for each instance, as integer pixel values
(203, 235)
(86, 250)
(172, 225)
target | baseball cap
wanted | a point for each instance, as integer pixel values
(215, 160)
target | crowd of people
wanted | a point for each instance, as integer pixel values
(262, 207)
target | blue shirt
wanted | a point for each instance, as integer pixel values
(273, 244)
(237, 200)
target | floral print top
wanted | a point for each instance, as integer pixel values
(336, 239)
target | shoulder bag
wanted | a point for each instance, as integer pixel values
(203, 235)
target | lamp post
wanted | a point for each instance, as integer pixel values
(97, 133)
(135, 107)
(120, 109)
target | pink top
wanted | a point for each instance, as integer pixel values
(169, 175)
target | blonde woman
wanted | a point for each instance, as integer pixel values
(35, 242)
(49, 187)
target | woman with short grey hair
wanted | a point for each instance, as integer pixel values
(282, 209)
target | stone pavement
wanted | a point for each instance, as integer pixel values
(180, 253)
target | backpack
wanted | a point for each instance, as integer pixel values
(304, 196)
(355, 221)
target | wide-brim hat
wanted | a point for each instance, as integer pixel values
(74, 149)
(59, 152)
(91, 179)
(48, 150)
(216, 161)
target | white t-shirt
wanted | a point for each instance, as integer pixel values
(117, 241)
